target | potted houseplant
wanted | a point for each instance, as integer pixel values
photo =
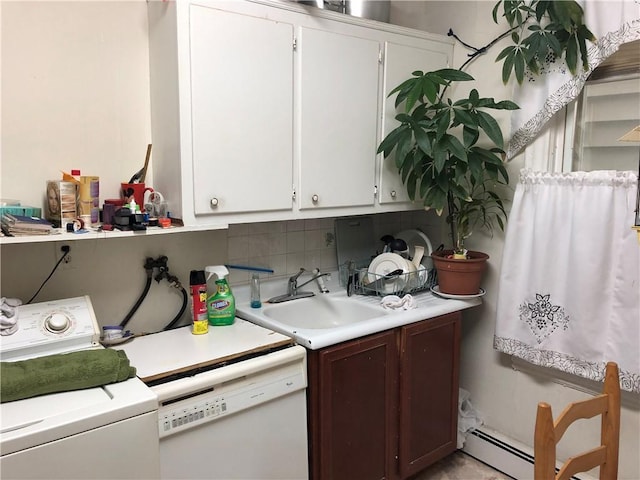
(450, 153)
(441, 161)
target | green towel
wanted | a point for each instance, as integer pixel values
(63, 372)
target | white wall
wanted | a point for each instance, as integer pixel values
(506, 398)
(75, 94)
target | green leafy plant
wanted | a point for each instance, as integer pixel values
(438, 167)
(555, 28)
(450, 153)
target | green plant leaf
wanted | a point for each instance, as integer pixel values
(442, 119)
(542, 8)
(389, 143)
(494, 12)
(404, 118)
(507, 66)
(519, 63)
(491, 128)
(474, 97)
(453, 74)
(571, 55)
(453, 145)
(422, 139)
(439, 154)
(505, 51)
(413, 96)
(505, 105)
(464, 117)
(470, 135)
(429, 89)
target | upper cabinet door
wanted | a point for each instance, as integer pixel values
(338, 119)
(242, 112)
(400, 61)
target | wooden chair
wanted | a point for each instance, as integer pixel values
(548, 433)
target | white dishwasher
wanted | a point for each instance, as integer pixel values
(232, 402)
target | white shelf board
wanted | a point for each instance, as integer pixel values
(94, 234)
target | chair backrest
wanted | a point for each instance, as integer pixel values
(549, 432)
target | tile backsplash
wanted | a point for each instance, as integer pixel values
(287, 246)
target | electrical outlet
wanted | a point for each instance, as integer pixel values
(66, 263)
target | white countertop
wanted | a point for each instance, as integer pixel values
(178, 350)
(428, 304)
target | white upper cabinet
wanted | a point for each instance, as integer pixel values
(400, 61)
(338, 119)
(242, 112)
(265, 110)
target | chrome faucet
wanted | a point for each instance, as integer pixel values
(293, 291)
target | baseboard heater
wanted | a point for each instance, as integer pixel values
(503, 454)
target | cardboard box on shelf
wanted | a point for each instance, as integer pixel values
(61, 203)
(89, 198)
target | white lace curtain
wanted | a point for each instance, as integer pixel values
(569, 295)
(613, 22)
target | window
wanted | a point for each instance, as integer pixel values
(606, 109)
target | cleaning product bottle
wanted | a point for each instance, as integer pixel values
(199, 313)
(221, 306)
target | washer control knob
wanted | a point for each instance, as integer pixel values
(57, 322)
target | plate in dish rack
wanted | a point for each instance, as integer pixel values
(436, 289)
(382, 265)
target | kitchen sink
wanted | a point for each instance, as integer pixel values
(331, 318)
(322, 311)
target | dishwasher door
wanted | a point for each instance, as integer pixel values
(244, 421)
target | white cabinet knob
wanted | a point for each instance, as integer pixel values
(315, 198)
(214, 202)
(393, 194)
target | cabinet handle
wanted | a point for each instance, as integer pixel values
(315, 198)
(393, 194)
(214, 202)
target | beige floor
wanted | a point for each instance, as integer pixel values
(460, 466)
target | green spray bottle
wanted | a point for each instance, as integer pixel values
(221, 306)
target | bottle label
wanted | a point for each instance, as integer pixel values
(200, 326)
(220, 304)
(198, 302)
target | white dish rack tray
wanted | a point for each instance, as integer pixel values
(361, 281)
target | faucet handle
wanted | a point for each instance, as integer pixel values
(295, 277)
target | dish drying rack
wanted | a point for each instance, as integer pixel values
(361, 281)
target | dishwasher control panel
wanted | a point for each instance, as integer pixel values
(220, 400)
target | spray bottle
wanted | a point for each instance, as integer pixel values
(199, 314)
(221, 306)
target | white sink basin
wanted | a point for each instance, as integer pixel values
(330, 318)
(321, 312)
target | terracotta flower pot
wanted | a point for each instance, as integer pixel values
(460, 277)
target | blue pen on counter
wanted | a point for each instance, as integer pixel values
(252, 269)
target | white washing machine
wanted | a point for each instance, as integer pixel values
(102, 432)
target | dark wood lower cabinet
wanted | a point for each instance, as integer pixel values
(385, 406)
(429, 378)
